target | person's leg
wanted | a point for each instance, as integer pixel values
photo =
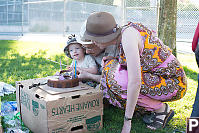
(197, 54)
(195, 111)
(148, 103)
(162, 112)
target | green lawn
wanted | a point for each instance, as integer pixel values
(26, 60)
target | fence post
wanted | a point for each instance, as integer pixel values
(22, 13)
(158, 12)
(123, 12)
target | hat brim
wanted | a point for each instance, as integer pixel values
(84, 42)
(101, 39)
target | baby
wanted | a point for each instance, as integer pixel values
(75, 51)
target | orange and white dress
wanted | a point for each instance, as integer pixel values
(163, 78)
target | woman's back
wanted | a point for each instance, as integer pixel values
(161, 71)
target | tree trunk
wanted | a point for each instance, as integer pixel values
(167, 23)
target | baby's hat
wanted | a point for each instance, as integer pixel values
(71, 40)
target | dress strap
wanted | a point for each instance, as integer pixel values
(125, 27)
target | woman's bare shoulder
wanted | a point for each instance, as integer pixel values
(131, 34)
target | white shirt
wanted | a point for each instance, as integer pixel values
(88, 62)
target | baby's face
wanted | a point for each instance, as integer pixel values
(76, 51)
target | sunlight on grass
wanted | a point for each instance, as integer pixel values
(29, 48)
(183, 107)
(188, 60)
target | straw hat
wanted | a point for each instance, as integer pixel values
(71, 40)
(101, 27)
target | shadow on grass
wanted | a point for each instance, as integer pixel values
(190, 73)
(16, 68)
(5, 46)
(21, 67)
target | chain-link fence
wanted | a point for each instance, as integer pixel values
(66, 16)
(187, 19)
(142, 11)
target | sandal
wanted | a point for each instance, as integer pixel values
(159, 123)
(149, 118)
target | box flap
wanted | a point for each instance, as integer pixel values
(33, 111)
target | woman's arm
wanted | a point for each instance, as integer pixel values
(130, 41)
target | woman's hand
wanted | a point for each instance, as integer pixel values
(106, 58)
(57, 74)
(126, 127)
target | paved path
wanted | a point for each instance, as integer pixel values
(184, 46)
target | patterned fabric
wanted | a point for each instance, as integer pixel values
(163, 78)
(114, 83)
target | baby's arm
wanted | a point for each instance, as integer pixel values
(92, 70)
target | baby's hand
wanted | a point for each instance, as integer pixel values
(106, 58)
(79, 69)
(68, 68)
(83, 74)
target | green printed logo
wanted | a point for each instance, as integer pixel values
(76, 118)
(35, 107)
(93, 123)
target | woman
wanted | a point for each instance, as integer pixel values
(195, 48)
(145, 73)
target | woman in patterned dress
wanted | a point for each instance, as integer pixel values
(145, 74)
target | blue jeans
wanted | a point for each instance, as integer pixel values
(195, 111)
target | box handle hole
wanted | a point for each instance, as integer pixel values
(37, 96)
(77, 128)
(74, 97)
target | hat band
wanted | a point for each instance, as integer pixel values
(104, 34)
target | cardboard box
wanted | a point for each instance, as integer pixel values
(55, 110)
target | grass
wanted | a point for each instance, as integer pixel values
(26, 60)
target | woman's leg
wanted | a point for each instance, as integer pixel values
(161, 111)
(150, 104)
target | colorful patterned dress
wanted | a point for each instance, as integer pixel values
(163, 78)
